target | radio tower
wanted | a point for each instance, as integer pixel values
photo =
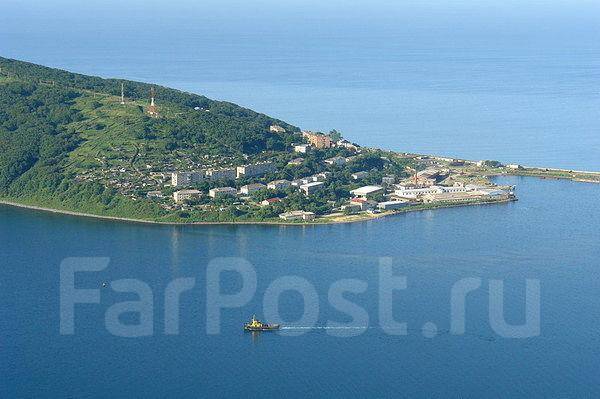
(152, 110)
(122, 94)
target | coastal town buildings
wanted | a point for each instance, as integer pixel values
(185, 195)
(336, 161)
(297, 215)
(348, 145)
(251, 188)
(351, 208)
(301, 148)
(363, 203)
(455, 197)
(276, 129)
(255, 170)
(318, 140)
(367, 191)
(270, 201)
(311, 188)
(222, 192)
(359, 175)
(279, 184)
(388, 180)
(182, 179)
(412, 193)
(221, 174)
(154, 194)
(392, 205)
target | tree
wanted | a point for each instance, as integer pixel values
(335, 135)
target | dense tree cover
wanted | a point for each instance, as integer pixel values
(221, 134)
(41, 114)
(53, 125)
(33, 132)
(225, 127)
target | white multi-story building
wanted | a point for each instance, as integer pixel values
(251, 188)
(221, 174)
(302, 148)
(182, 179)
(310, 188)
(183, 195)
(254, 170)
(222, 192)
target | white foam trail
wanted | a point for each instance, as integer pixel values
(325, 328)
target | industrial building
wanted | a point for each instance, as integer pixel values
(392, 205)
(367, 191)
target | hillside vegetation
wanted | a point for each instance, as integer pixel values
(55, 125)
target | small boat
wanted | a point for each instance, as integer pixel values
(257, 325)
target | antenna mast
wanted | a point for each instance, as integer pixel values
(152, 110)
(122, 94)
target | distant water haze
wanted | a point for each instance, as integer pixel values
(513, 81)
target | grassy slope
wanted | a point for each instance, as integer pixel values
(108, 138)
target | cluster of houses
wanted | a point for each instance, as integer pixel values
(426, 187)
(423, 188)
(308, 185)
(322, 141)
(182, 179)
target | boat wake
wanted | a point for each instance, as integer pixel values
(325, 327)
(431, 334)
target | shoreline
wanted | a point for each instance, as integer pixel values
(534, 172)
(549, 173)
(346, 219)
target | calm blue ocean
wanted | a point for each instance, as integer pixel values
(515, 81)
(537, 238)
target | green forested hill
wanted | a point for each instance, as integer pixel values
(67, 142)
(56, 125)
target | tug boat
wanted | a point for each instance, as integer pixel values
(257, 325)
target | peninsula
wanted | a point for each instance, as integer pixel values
(127, 150)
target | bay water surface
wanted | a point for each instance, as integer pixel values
(550, 236)
(514, 81)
